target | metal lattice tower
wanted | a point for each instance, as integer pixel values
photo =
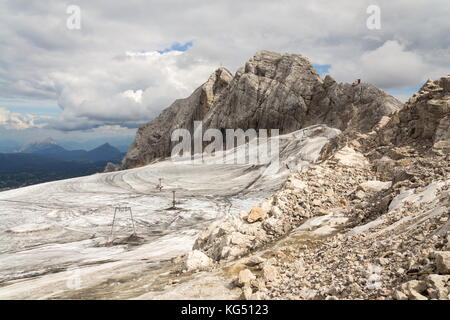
(123, 209)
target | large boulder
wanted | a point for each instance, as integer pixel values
(374, 186)
(442, 262)
(245, 277)
(197, 260)
(256, 214)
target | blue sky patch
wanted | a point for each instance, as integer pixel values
(37, 111)
(177, 47)
(322, 69)
(410, 91)
(403, 94)
(34, 107)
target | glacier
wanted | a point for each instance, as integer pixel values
(53, 233)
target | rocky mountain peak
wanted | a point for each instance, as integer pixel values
(47, 140)
(39, 144)
(268, 64)
(271, 91)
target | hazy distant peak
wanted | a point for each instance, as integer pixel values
(39, 144)
(47, 140)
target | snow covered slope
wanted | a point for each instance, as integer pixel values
(53, 231)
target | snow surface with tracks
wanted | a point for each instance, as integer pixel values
(49, 230)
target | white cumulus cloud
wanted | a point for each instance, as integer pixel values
(126, 90)
(392, 66)
(18, 121)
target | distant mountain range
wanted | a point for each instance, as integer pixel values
(7, 146)
(11, 145)
(43, 160)
(49, 148)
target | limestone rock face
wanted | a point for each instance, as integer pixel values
(284, 91)
(425, 119)
(272, 91)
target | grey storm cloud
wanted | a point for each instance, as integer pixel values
(110, 73)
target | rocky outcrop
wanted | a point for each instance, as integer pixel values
(111, 167)
(425, 119)
(272, 91)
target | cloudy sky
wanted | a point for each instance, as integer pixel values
(130, 59)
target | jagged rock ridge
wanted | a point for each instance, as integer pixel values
(272, 91)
